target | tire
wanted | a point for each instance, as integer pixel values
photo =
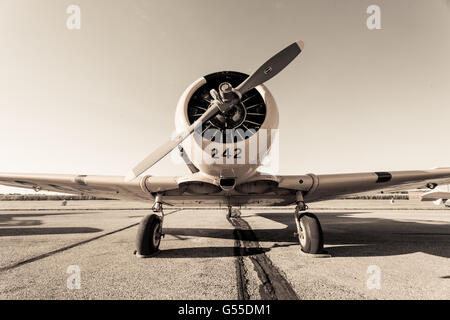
(311, 237)
(148, 236)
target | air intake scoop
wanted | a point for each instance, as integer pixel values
(227, 183)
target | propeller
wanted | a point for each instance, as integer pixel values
(271, 67)
(222, 103)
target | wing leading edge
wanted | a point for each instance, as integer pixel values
(329, 186)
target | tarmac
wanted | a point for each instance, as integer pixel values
(84, 250)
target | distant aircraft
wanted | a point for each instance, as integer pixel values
(439, 195)
(226, 121)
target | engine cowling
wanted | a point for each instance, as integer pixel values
(231, 145)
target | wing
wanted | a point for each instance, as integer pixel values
(113, 187)
(176, 190)
(435, 195)
(330, 186)
(198, 190)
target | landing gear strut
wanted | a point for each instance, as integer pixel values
(236, 213)
(229, 212)
(148, 237)
(309, 231)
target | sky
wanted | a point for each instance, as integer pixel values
(97, 100)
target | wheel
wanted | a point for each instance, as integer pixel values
(310, 234)
(148, 236)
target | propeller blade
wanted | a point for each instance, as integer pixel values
(167, 147)
(271, 67)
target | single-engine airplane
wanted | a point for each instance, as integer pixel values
(224, 166)
(440, 195)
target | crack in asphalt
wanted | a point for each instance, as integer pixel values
(274, 285)
(241, 271)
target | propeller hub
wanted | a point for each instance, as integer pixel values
(230, 119)
(226, 99)
(226, 92)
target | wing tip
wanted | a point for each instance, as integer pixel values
(300, 44)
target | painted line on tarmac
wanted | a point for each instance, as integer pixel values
(50, 253)
(45, 255)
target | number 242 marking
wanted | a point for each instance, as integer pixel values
(226, 153)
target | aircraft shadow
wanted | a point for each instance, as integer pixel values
(6, 232)
(346, 235)
(208, 252)
(272, 235)
(10, 223)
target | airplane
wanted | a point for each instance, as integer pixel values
(224, 167)
(438, 196)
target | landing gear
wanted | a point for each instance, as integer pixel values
(229, 212)
(148, 237)
(309, 231)
(233, 213)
